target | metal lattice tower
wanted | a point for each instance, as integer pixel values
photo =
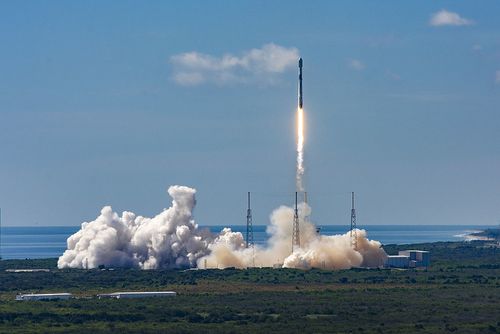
(307, 218)
(249, 236)
(354, 236)
(296, 229)
(0, 233)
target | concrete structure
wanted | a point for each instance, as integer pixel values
(397, 261)
(421, 258)
(139, 294)
(44, 296)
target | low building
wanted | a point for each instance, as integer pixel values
(421, 258)
(44, 296)
(397, 261)
(409, 259)
(137, 294)
(27, 270)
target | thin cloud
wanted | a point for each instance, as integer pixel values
(356, 64)
(188, 79)
(446, 18)
(256, 65)
(497, 77)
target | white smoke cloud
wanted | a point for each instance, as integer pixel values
(169, 240)
(316, 251)
(173, 240)
(446, 18)
(194, 68)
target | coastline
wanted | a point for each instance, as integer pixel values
(490, 234)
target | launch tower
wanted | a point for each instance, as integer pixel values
(249, 236)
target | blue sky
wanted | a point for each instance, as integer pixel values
(401, 98)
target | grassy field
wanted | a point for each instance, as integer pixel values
(460, 293)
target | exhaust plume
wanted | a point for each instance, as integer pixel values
(316, 251)
(169, 240)
(172, 239)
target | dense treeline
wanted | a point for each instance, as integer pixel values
(459, 293)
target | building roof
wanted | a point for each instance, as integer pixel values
(415, 250)
(138, 293)
(46, 294)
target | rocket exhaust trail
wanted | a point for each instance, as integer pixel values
(300, 135)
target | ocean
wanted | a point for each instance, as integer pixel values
(50, 241)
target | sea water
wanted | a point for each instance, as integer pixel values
(50, 241)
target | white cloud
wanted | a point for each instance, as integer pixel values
(477, 47)
(255, 65)
(446, 18)
(356, 64)
(497, 77)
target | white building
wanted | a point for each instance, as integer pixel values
(139, 294)
(409, 259)
(397, 261)
(421, 258)
(44, 296)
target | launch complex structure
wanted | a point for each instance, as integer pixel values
(249, 241)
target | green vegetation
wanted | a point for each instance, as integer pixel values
(460, 293)
(490, 233)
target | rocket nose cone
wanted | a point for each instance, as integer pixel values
(300, 62)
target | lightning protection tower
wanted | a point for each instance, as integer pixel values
(0, 233)
(296, 230)
(249, 236)
(307, 218)
(354, 239)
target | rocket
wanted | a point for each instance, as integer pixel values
(300, 83)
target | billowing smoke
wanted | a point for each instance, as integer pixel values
(173, 240)
(316, 251)
(169, 240)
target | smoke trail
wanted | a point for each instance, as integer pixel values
(172, 239)
(300, 149)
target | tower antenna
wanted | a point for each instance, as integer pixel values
(354, 236)
(0, 233)
(307, 217)
(249, 236)
(296, 230)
